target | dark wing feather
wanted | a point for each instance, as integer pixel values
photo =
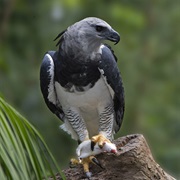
(47, 84)
(112, 74)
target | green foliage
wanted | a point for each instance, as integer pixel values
(24, 154)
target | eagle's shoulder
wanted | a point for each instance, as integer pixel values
(107, 49)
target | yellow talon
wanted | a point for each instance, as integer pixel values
(85, 162)
(88, 148)
(100, 139)
(74, 161)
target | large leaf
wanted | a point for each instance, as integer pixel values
(23, 153)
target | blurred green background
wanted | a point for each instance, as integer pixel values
(149, 60)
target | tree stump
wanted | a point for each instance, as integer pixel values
(133, 161)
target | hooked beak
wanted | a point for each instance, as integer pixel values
(113, 36)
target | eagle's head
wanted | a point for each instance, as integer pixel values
(87, 35)
(92, 28)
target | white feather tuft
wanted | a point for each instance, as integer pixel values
(67, 128)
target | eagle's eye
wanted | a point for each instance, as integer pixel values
(99, 28)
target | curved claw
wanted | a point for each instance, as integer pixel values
(87, 161)
(95, 161)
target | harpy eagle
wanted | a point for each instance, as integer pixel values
(81, 83)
